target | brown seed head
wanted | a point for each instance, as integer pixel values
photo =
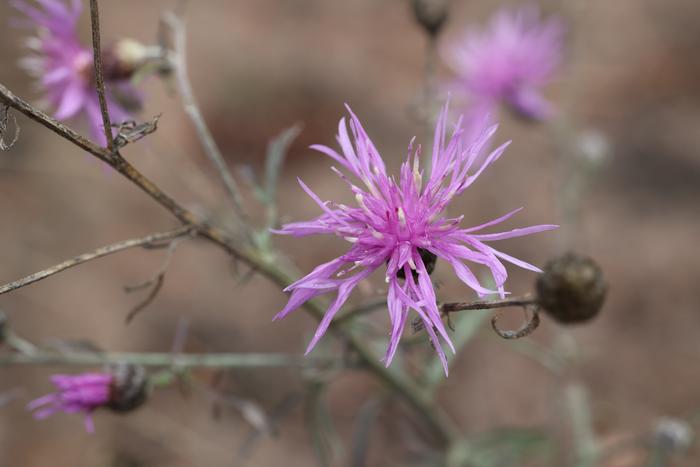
(129, 387)
(572, 288)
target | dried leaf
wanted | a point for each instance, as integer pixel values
(7, 142)
(131, 131)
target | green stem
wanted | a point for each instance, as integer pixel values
(224, 360)
(580, 413)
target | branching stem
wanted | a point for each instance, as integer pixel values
(523, 301)
(435, 418)
(98, 253)
(189, 103)
(180, 361)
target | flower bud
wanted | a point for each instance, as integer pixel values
(572, 288)
(672, 434)
(430, 14)
(129, 387)
(124, 58)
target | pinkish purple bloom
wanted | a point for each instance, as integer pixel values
(508, 63)
(400, 224)
(64, 67)
(81, 393)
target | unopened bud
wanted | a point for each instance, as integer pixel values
(126, 57)
(671, 434)
(594, 148)
(129, 388)
(572, 288)
(430, 14)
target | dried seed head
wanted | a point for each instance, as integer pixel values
(129, 387)
(572, 288)
(430, 14)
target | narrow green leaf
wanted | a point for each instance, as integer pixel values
(276, 151)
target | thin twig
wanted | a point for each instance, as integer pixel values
(172, 246)
(192, 110)
(435, 418)
(11, 100)
(156, 283)
(165, 359)
(524, 301)
(160, 279)
(98, 253)
(478, 305)
(99, 78)
(526, 329)
(6, 143)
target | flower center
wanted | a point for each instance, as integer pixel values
(429, 260)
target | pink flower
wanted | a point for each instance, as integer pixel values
(509, 62)
(64, 67)
(400, 224)
(81, 393)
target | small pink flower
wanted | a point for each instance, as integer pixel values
(64, 67)
(400, 224)
(81, 393)
(507, 63)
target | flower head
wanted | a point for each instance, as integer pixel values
(121, 387)
(509, 62)
(81, 393)
(400, 224)
(64, 67)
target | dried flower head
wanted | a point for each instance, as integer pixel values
(120, 388)
(64, 67)
(401, 224)
(507, 63)
(572, 288)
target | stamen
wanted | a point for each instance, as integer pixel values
(418, 180)
(412, 264)
(402, 216)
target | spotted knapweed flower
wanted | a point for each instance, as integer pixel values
(64, 67)
(507, 63)
(81, 393)
(120, 387)
(400, 224)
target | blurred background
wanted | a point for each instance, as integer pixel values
(630, 84)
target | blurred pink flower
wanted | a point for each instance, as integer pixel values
(401, 224)
(507, 63)
(81, 393)
(64, 67)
